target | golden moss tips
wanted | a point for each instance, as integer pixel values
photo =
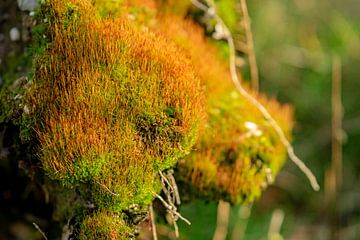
(238, 156)
(113, 105)
(105, 226)
(239, 153)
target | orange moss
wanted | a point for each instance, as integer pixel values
(104, 226)
(113, 105)
(231, 161)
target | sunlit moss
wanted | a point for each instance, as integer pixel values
(103, 225)
(121, 93)
(113, 105)
(239, 152)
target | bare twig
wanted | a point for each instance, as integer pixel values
(258, 105)
(41, 231)
(174, 186)
(241, 224)
(337, 131)
(153, 225)
(171, 192)
(170, 208)
(176, 229)
(165, 179)
(106, 188)
(334, 176)
(222, 223)
(254, 72)
(276, 221)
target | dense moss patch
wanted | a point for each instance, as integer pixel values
(104, 225)
(113, 105)
(238, 154)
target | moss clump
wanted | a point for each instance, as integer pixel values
(239, 153)
(103, 225)
(113, 105)
(117, 99)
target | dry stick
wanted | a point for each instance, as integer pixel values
(336, 148)
(153, 225)
(166, 180)
(277, 219)
(176, 229)
(175, 187)
(241, 224)
(102, 185)
(222, 222)
(41, 231)
(337, 113)
(170, 208)
(168, 190)
(258, 105)
(173, 196)
(254, 72)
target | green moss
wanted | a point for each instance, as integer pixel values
(104, 225)
(232, 161)
(113, 106)
(227, 11)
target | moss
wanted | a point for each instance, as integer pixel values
(239, 153)
(104, 225)
(174, 7)
(232, 161)
(113, 106)
(115, 100)
(227, 11)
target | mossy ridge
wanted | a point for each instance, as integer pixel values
(113, 106)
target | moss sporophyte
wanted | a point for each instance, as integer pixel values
(121, 92)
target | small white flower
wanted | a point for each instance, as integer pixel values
(251, 126)
(257, 133)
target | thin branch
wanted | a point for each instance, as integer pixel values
(165, 179)
(39, 229)
(200, 5)
(170, 208)
(176, 228)
(222, 222)
(106, 188)
(337, 131)
(176, 190)
(277, 219)
(254, 72)
(258, 105)
(242, 222)
(153, 225)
